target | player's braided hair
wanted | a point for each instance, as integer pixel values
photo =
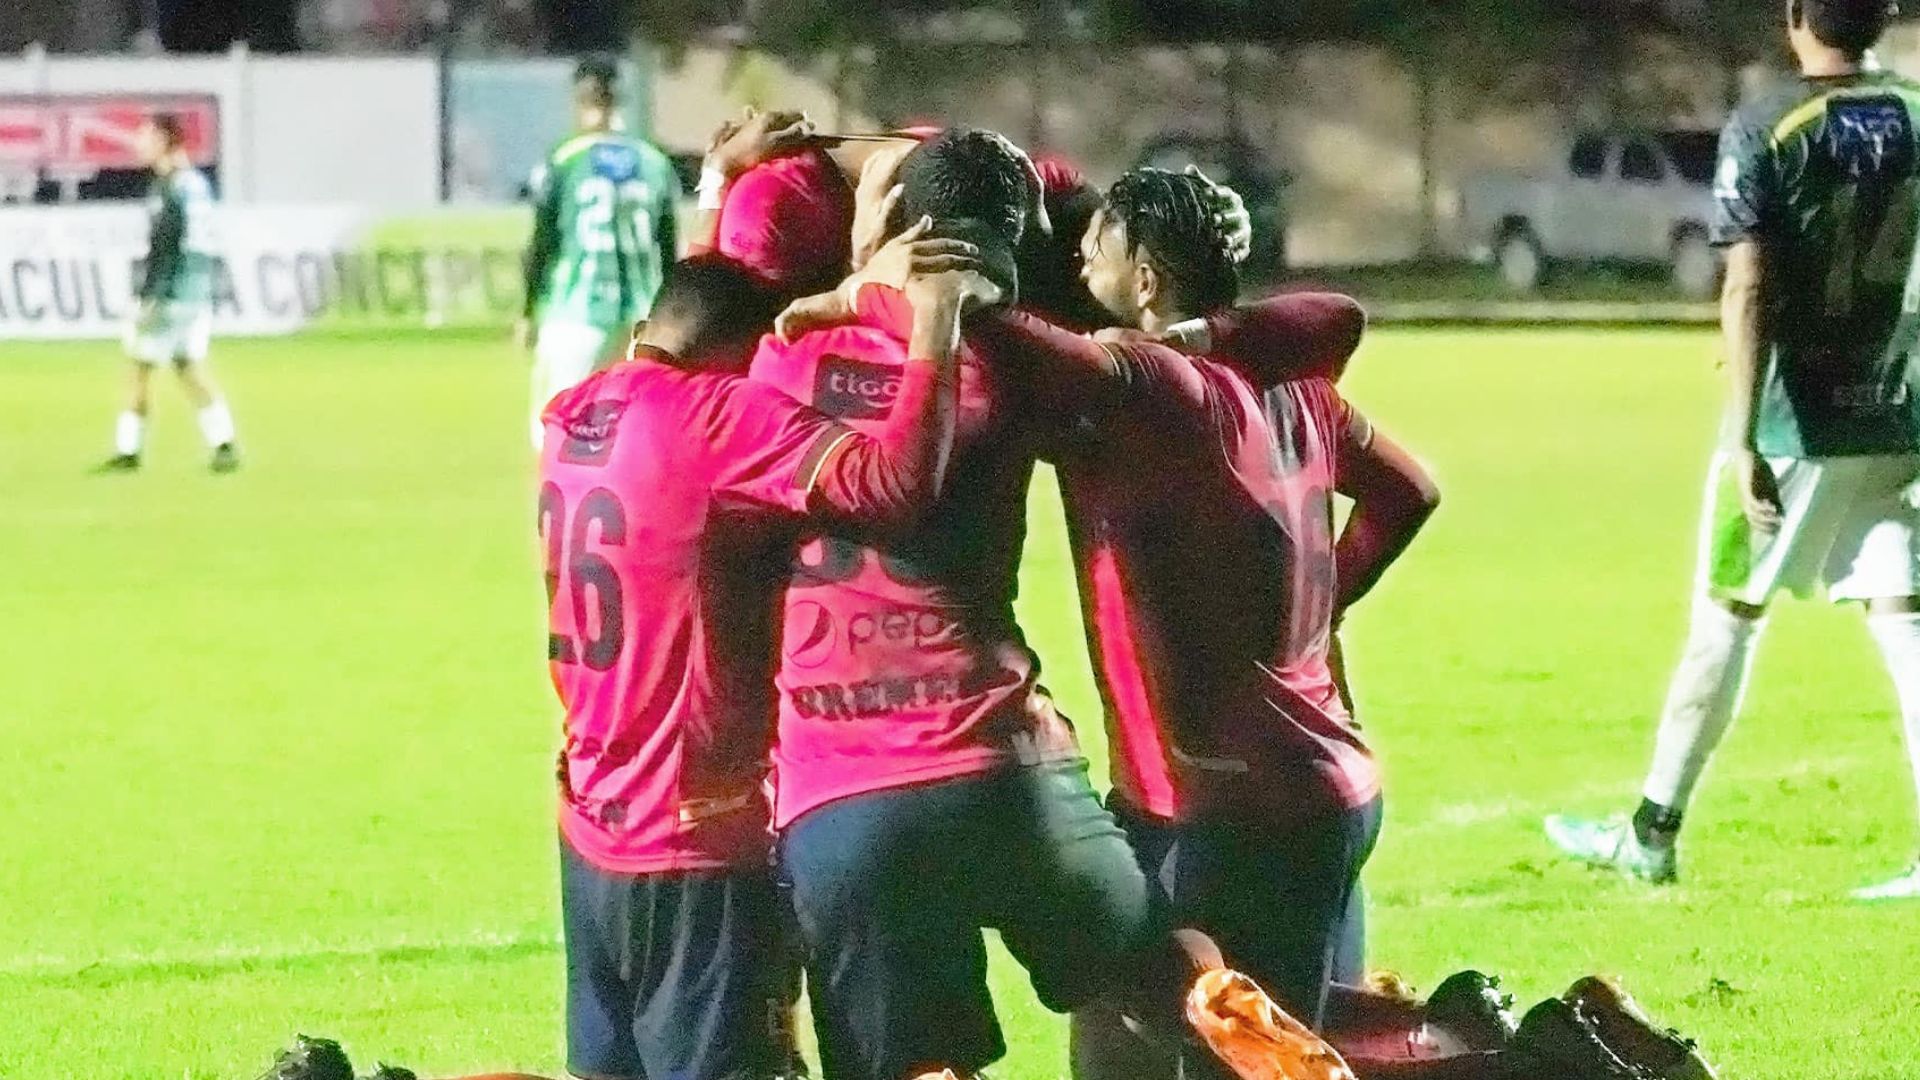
(1172, 216)
(1852, 26)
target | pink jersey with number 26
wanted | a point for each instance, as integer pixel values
(666, 499)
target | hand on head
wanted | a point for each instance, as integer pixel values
(1230, 211)
(874, 199)
(739, 145)
(913, 262)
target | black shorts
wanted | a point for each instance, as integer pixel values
(669, 976)
(1285, 906)
(893, 889)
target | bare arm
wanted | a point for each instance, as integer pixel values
(1393, 497)
(1743, 329)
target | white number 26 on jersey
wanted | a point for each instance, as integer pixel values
(605, 207)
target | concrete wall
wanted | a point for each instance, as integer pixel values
(293, 129)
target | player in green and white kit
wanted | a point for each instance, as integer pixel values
(175, 316)
(1818, 207)
(603, 234)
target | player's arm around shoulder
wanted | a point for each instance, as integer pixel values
(889, 477)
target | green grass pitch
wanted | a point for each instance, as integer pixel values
(276, 745)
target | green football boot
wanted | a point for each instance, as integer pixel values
(1611, 842)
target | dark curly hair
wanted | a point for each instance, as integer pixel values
(1170, 215)
(967, 174)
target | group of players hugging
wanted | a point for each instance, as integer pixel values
(804, 730)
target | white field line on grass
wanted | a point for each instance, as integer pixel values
(240, 955)
(1446, 817)
(1461, 815)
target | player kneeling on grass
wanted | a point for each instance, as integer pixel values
(1212, 598)
(1817, 203)
(928, 790)
(174, 321)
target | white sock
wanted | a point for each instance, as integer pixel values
(1701, 701)
(129, 432)
(216, 423)
(1899, 638)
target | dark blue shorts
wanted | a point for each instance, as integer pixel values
(669, 976)
(893, 889)
(1285, 906)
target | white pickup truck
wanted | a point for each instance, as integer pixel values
(1637, 197)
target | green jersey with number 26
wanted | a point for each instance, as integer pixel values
(1826, 177)
(603, 231)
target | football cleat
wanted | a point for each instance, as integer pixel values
(226, 458)
(1255, 1038)
(1632, 1034)
(310, 1059)
(119, 463)
(1472, 1008)
(1555, 1041)
(1612, 843)
(1904, 887)
(1390, 985)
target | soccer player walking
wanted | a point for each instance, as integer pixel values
(1817, 203)
(174, 321)
(603, 233)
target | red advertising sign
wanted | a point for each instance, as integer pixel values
(85, 134)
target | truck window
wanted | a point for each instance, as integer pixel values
(1589, 157)
(1640, 165)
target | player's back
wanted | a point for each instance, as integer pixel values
(180, 209)
(659, 578)
(1204, 546)
(1827, 175)
(901, 659)
(609, 194)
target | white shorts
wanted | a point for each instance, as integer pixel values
(1851, 524)
(564, 353)
(176, 332)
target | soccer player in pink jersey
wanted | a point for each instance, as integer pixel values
(1199, 501)
(670, 490)
(1210, 597)
(927, 789)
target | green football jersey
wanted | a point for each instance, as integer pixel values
(603, 230)
(1824, 177)
(179, 239)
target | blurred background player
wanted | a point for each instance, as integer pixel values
(603, 233)
(174, 320)
(1818, 207)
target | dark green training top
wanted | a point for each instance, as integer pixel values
(179, 239)
(1823, 176)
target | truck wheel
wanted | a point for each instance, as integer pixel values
(1696, 271)
(1518, 256)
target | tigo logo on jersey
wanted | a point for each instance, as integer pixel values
(854, 389)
